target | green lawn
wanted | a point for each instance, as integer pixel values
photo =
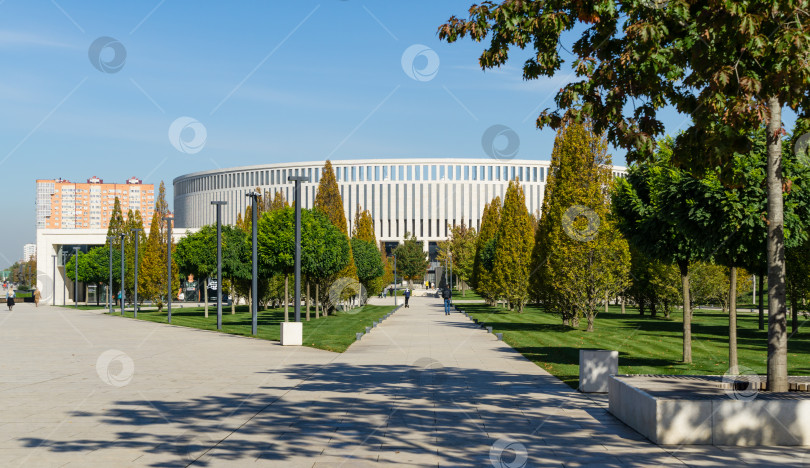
(469, 295)
(333, 333)
(646, 345)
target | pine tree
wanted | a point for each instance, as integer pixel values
(579, 257)
(513, 249)
(482, 277)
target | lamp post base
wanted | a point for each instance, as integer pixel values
(292, 333)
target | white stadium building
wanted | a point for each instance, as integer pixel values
(419, 196)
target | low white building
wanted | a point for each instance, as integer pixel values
(54, 250)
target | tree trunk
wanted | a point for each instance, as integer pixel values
(565, 321)
(622, 304)
(205, 289)
(307, 301)
(653, 309)
(591, 316)
(732, 321)
(777, 315)
(641, 305)
(761, 304)
(683, 266)
(286, 298)
(317, 300)
(607, 301)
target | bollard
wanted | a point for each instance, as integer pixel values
(358, 336)
(500, 336)
(489, 329)
(368, 329)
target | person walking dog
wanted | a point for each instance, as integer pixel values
(446, 295)
(407, 296)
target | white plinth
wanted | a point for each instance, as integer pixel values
(292, 333)
(595, 368)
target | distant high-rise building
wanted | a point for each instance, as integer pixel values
(29, 252)
(62, 204)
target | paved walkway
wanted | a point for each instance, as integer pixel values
(82, 389)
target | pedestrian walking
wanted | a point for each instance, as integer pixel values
(37, 297)
(446, 295)
(10, 299)
(407, 296)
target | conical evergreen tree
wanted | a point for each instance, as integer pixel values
(363, 228)
(152, 275)
(116, 224)
(328, 199)
(515, 241)
(483, 278)
(579, 257)
(329, 202)
(161, 211)
(134, 221)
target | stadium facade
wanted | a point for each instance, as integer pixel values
(420, 196)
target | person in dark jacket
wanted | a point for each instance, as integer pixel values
(10, 299)
(407, 296)
(446, 294)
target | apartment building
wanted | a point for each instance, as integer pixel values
(62, 204)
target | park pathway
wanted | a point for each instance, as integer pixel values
(422, 389)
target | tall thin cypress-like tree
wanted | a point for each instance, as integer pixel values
(513, 249)
(329, 202)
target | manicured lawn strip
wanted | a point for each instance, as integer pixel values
(646, 345)
(470, 295)
(333, 333)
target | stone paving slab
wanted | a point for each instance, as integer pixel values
(79, 388)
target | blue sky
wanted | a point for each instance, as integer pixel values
(270, 81)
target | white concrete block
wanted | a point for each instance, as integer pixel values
(595, 368)
(292, 333)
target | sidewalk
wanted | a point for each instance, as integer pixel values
(422, 389)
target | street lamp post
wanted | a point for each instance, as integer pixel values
(298, 179)
(110, 240)
(135, 232)
(395, 279)
(53, 282)
(123, 290)
(169, 220)
(76, 277)
(219, 204)
(254, 257)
